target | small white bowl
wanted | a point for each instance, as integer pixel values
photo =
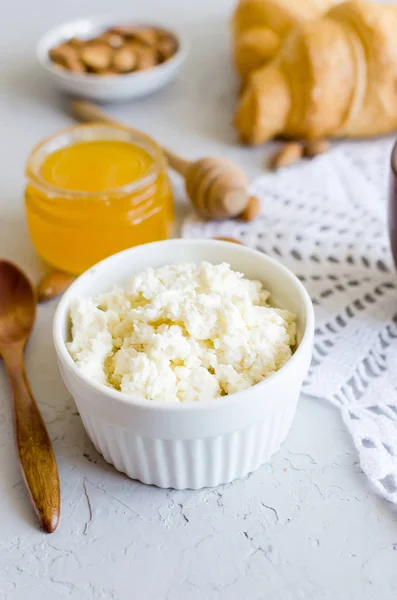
(200, 444)
(107, 88)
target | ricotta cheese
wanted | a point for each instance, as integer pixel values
(181, 333)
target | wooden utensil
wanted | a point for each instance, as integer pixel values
(216, 187)
(39, 469)
(53, 284)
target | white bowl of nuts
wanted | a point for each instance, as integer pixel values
(105, 60)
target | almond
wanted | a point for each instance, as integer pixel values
(125, 59)
(76, 42)
(288, 155)
(114, 40)
(252, 209)
(110, 71)
(315, 147)
(146, 35)
(53, 284)
(146, 58)
(96, 56)
(127, 31)
(120, 49)
(60, 54)
(67, 57)
(167, 46)
(76, 66)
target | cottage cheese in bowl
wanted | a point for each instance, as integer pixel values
(181, 333)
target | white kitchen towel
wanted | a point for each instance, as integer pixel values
(327, 221)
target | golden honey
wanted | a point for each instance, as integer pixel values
(94, 190)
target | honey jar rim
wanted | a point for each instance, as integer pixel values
(33, 175)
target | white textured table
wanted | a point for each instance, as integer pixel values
(304, 527)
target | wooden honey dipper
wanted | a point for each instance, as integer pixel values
(216, 187)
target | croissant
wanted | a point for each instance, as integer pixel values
(333, 77)
(259, 26)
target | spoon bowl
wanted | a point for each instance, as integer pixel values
(17, 304)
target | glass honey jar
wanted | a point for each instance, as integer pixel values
(94, 190)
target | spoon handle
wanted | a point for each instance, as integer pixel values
(36, 456)
(89, 111)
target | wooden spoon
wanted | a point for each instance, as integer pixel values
(53, 284)
(36, 456)
(216, 187)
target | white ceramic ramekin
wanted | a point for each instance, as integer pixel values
(200, 444)
(105, 88)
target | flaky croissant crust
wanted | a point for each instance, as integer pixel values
(333, 77)
(260, 26)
